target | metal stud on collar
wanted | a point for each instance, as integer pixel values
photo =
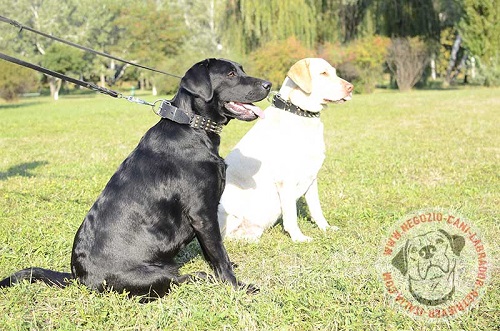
(200, 122)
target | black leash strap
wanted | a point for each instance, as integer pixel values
(24, 27)
(162, 108)
(49, 72)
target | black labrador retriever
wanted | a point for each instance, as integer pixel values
(165, 193)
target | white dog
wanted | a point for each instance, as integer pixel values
(278, 160)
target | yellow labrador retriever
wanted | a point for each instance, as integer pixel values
(278, 160)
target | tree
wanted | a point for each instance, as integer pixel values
(361, 62)
(480, 30)
(149, 41)
(407, 59)
(408, 18)
(352, 13)
(253, 23)
(273, 60)
(63, 59)
(98, 31)
(15, 80)
(50, 16)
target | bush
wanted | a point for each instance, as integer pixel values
(15, 80)
(361, 62)
(487, 74)
(273, 60)
(407, 59)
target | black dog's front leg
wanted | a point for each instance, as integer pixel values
(216, 255)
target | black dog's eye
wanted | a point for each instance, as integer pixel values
(232, 74)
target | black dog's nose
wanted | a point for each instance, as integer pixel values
(427, 252)
(267, 85)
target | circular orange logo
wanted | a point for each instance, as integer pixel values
(434, 264)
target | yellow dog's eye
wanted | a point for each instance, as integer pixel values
(324, 73)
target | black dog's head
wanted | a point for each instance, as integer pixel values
(222, 91)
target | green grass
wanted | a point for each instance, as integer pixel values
(387, 154)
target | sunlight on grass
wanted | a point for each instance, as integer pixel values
(387, 154)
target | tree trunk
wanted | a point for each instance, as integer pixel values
(433, 66)
(55, 86)
(453, 58)
(103, 80)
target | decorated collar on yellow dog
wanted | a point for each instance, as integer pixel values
(280, 103)
(168, 111)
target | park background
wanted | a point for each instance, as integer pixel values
(421, 132)
(428, 43)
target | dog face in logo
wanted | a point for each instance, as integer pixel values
(428, 261)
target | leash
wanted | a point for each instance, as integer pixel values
(49, 72)
(161, 107)
(24, 27)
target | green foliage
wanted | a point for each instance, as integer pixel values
(253, 23)
(148, 32)
(173, 34)
(15, 80)
(362, 62)
(487, 75)
(273, 60)
(480, 29)
(60, 18)
(64, 59)
(408, 18)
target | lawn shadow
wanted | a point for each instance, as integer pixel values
(303, 209)
(17, 105)
(22, 169)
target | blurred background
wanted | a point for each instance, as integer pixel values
(401, 44)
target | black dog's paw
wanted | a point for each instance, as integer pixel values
(251, 289)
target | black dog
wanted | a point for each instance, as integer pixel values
(165, 193)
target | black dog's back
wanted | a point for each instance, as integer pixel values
(164, 194)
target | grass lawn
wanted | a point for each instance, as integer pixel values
(387, 154)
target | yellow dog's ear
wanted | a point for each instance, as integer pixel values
(300, 74)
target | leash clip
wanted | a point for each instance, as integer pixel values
(139, 101)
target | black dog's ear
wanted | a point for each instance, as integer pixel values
(457, 242)
(197, 81)
(400, 261)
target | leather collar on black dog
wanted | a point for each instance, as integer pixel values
(168, 111)
(280, 103)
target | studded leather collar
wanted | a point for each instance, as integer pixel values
(171, 112)
(280, 103)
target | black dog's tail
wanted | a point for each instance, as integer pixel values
(49, 277)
